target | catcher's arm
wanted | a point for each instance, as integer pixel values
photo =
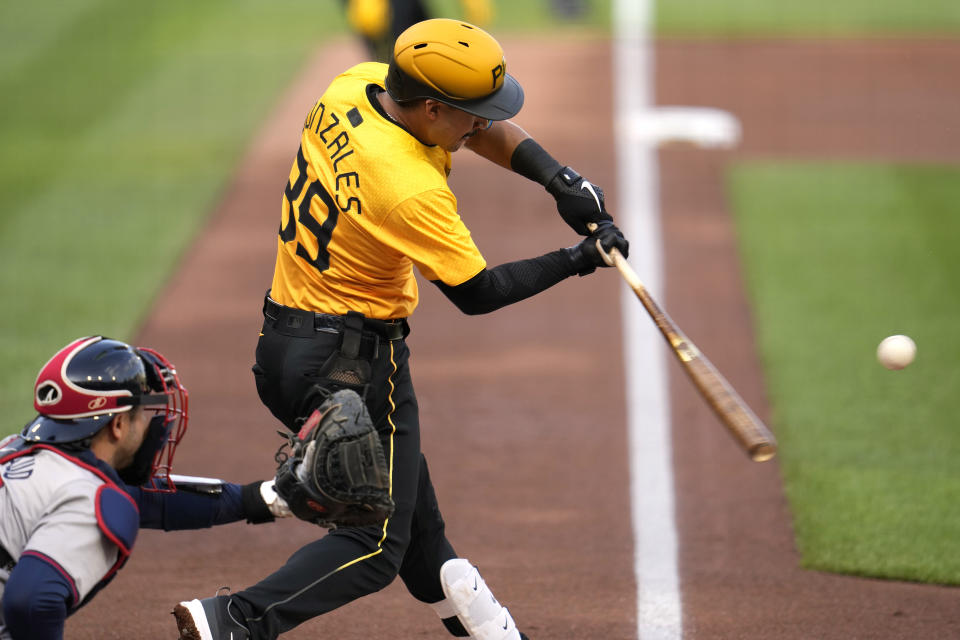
(260, 500)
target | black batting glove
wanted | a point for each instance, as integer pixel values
(587, 257)
(579, 201)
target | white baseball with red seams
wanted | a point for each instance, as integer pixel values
(896, 352)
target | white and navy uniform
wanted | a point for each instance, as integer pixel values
(68, 524)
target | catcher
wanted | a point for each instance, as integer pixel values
(89, 471)
(367, 200)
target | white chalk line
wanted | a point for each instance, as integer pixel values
(659, 614)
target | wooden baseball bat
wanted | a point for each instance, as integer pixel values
(735, 414)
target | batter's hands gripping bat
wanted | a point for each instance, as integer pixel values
(739, 419)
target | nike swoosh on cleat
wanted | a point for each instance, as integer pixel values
(589, 187)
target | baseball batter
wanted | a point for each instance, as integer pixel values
(367, 202)
(88, 472)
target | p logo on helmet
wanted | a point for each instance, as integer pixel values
(497, 73)
(453, 62)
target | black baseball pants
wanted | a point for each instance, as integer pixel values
(348, 563)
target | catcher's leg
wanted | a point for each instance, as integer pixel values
(471, 601)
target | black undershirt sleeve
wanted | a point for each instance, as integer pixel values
(511, 282)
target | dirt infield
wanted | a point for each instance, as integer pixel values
(522, 410)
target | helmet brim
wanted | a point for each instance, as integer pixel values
(53, 431)
(502, 104)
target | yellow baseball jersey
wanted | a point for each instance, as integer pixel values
(366, 201)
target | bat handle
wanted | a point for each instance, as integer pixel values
(614, 258)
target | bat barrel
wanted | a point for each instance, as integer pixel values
(762, 452)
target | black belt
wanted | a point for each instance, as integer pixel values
(6, 561)
(298, 320)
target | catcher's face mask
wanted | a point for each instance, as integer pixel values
(154, 459)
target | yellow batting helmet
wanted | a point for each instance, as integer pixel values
(456, 63)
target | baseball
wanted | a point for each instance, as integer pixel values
(896, 352)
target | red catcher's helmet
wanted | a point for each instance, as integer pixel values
(82, 387)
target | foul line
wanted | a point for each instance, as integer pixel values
(648, 415)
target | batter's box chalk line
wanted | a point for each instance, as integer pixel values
(705, 127)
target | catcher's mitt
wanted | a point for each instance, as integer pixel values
(336, 472)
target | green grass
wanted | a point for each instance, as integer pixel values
(739, 18)
(838, 257)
